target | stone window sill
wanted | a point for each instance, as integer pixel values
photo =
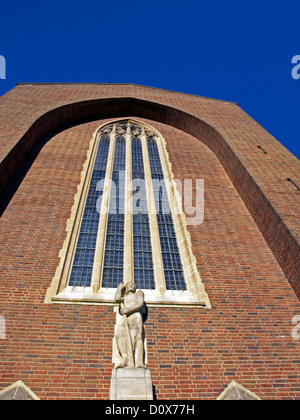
(85, 295)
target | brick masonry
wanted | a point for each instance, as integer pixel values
(246, 248)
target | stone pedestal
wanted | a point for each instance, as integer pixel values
(131, 384)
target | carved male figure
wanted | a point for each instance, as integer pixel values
(129, 328)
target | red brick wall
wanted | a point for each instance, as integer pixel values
(31, 111)
(64, 351)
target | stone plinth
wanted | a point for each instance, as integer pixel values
(131, 384)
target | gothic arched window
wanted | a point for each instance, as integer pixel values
(126, 224)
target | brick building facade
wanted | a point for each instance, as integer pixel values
(247, 248)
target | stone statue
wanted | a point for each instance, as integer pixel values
(130, 380)
(129, 326)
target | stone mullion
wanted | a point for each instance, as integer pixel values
(104, 211)
(158, 267)
(128, 221)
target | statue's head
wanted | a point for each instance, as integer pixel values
(130, 287)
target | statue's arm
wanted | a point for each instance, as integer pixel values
(136, 306)
(119, 296)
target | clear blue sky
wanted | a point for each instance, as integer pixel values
(232, 50)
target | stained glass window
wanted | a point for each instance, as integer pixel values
(143, 265)
(114, 247)
(107, 244)
(113, 261)
(169, 248)
(84, 256)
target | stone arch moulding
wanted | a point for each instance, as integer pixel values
(253, 197)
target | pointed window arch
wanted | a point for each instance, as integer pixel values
(126, 224)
